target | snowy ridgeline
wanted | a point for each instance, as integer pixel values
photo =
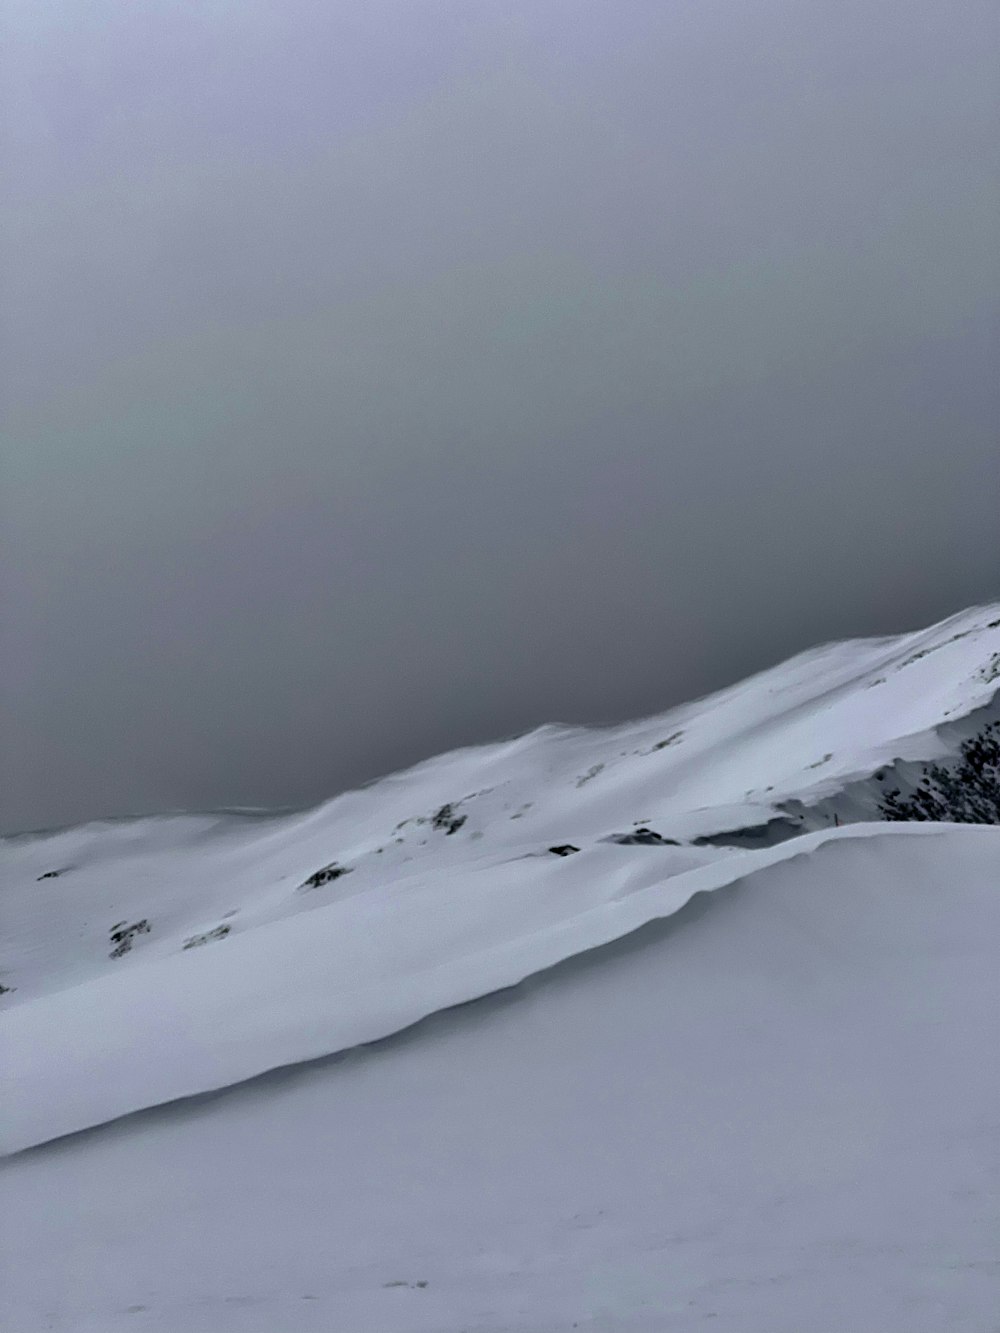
(146, 960)
(744, 1077)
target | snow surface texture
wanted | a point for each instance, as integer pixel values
(749, 1082)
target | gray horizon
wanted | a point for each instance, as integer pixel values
(382, 378)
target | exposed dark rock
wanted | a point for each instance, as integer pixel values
(770, 834)
(123, 937)
(963, 789)
(325, 875)
(49, 874)
(446, 819)
(219, 933)
(670, 740)
(644, 837)
(967, 792)
(564, 849)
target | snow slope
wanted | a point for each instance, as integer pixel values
(776, 1111)
(792, 1026)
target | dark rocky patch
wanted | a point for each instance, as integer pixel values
(670, 740)
(776, 830)
(967, 792)
(564, 849)
(219, 933)
(446, 819)
(644, 837)
(964, 789)
(123, 937)
(49, 874)
(818, 763)
(325, 875)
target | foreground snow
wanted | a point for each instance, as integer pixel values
(747, 1079)
(777, 1111)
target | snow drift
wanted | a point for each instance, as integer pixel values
(744, 1073)
(154, 959)
(775, 1110)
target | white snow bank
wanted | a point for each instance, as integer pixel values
(232, 965)
(352, 973)
(776, 1112)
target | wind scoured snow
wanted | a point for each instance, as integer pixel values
(769, 1105)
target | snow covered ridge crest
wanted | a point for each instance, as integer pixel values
(150, 960)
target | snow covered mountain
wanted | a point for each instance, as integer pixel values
(744, 1077)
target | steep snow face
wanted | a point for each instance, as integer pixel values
(775, 1111)
(154, 959)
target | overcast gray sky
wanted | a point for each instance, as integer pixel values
(388, 375)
